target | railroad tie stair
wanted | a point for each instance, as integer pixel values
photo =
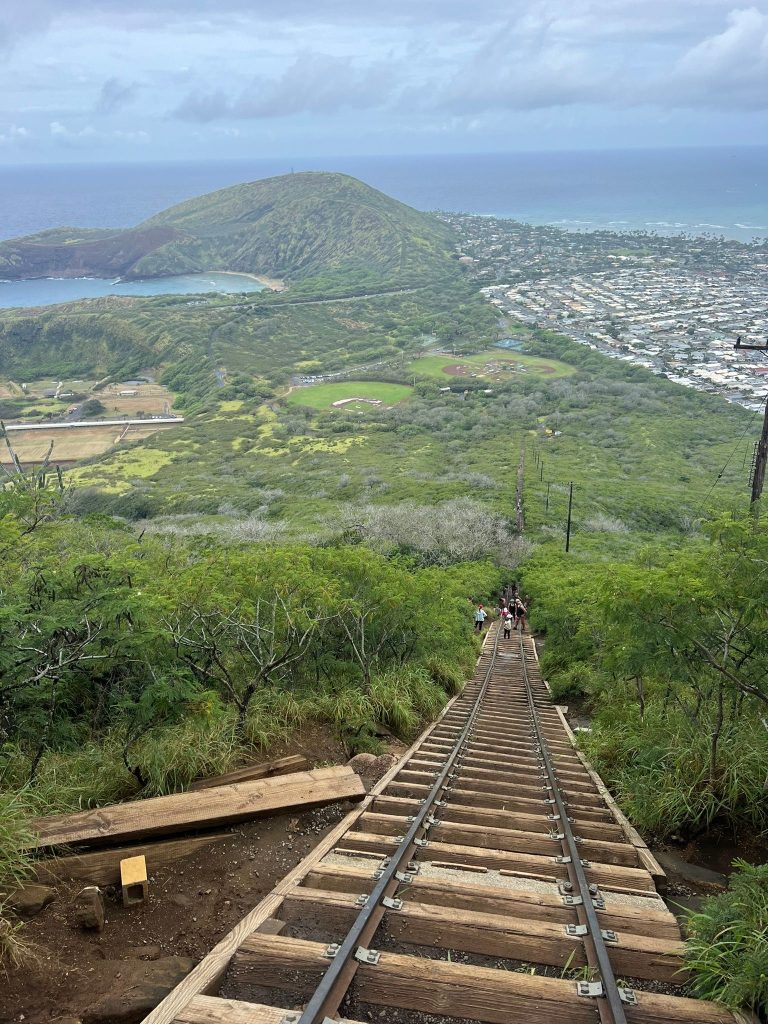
(487, 877)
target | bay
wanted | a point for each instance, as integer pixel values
(46, 291)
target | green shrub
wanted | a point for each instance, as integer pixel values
(447, 674)
(727, 947)
(405, 698)
(571, 684)
(657, 765)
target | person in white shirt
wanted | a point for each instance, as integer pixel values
(480, 616)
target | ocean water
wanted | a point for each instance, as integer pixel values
(45, 291)
(720, 191)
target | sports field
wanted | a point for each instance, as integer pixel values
(78, 443)
(495, 364)
(359, 395)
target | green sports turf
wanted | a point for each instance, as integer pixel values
(322, 396)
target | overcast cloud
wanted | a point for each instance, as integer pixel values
(104, 79)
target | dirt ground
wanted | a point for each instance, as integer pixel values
(191, 905)
(78, 443)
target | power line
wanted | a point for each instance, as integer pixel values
(719, 476)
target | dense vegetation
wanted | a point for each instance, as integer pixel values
(130, 665)
(671, 649)
(297, 227)
(727, 949)
(116, 649)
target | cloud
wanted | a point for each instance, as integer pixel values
(19, 18)
(114, 95)
(15, 135)
(67, 136)
(384, 73)
(531, 63)
(63, 133)
(313, 83)
(728, 69)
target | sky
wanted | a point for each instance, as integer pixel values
(108, 80)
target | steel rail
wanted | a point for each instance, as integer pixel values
(345, 956)
(611, 1007)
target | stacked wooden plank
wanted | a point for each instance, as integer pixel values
(265, 770)
(206, 808)
(511, 907)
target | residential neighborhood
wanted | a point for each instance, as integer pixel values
(674, 305)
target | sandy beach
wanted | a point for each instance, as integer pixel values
(273, 283)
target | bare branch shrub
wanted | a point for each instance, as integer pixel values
(454, 531)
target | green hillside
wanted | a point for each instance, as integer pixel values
(328, 227)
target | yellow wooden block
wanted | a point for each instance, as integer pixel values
(133, 879)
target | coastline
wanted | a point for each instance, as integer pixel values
(272, 283)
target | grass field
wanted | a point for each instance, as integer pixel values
(323, 396)
(72, 445)
(495, 364)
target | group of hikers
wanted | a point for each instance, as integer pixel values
(511, 610)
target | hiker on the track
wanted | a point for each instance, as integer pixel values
(480, 616)
(507, 625)
(519, 613)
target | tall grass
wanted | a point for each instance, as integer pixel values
(15, 839)
(66, 780)
(727, 947)
(658, 768)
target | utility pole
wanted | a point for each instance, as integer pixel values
(761, 456)
(761, 451)
(568, 527)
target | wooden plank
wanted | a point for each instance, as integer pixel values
(498, 818)
(473, 778)
(512, 840)
(464, 793)
(410, 983)
(490, 899)
(185, 811)
(103, 867)
(266, 770)
(214, 1010)
(528, 864)
(491, 934)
